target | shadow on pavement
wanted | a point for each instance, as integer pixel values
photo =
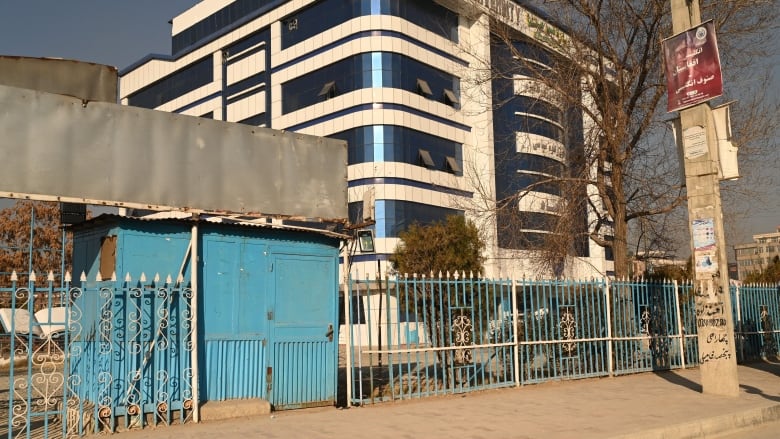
(679, 380)
(768, 365)
(757, 391)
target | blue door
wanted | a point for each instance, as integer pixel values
(302, 370)
(234, 323)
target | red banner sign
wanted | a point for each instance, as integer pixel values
(693, 71)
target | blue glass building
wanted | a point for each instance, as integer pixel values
(395, 79)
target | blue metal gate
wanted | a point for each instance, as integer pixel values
(302, 368)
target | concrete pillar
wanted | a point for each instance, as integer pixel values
(715, 326)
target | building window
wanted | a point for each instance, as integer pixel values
(367, 70)
(221, 20)
(395, 216)
(451, 165)
(328, 90)
(423, 88)
(324, 15)
(174, 85)
(425, 159)
(392, 143)
(450, 98)
(258, 120)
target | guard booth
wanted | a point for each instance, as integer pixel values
(267, 319)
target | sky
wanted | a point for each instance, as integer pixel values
(121, 32)
(112, 32)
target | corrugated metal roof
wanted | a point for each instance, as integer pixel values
(234, 220)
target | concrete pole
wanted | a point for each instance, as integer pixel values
(715, 326)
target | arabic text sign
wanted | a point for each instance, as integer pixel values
(693, 71)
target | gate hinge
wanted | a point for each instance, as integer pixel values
(270, 315)
(269, 372)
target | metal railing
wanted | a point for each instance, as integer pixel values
(100, 357)
(418, 336)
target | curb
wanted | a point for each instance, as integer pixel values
(711, 427)
(241, 408)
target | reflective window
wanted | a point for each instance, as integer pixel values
(516, 171)
(395, 216)
(366, 70)
(324, 15)
(258, 120)
(537, 107)
(537, 163)
(220, 20)
(533, 125)
(174, 85)
(392, 143)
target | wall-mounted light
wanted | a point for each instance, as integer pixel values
(365, 240)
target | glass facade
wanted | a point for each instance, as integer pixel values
(174, 85)
(324, 15)
(221, 20)
(517, 171)
(522, 162)
(366, 70)
(392, 143)
(395, 216)
(256, 83)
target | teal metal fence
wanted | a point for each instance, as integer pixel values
(756, 317)
(429, 336)
(97, 358)
(418, 336)
(130, 354)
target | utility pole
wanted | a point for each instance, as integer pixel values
(715, 326)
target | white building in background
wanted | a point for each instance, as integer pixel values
(393, 79)
(755, 256)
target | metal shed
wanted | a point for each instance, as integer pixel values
(259, 314)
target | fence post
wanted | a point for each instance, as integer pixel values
(516, 349)
(348, 327)
(610, 361)
(739, 340)
(679, 322)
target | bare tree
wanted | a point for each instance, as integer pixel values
(15, 234)
(603, 69)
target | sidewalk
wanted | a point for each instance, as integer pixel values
(649, 405)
